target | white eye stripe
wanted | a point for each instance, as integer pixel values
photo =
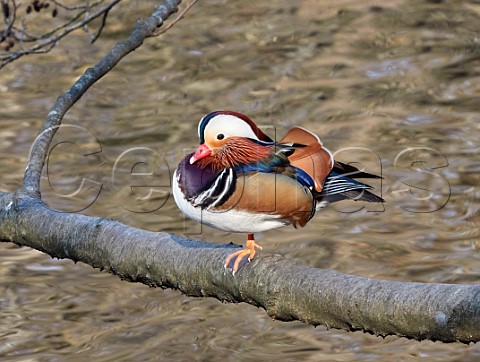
(228, 125)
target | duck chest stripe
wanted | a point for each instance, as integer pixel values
(218, 192)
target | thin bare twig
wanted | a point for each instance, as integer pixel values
(180, 16)
(100, 28)
(9, 16)
(85, 26)
(74, 7)
(26, 37)
(47, 44)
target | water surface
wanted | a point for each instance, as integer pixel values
(394, 88)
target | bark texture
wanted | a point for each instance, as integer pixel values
(285, 289)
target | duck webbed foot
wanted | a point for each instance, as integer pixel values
(238, 258)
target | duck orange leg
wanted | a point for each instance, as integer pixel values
(238, 256)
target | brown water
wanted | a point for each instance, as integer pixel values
(394, 88)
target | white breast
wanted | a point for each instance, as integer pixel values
(229, 220)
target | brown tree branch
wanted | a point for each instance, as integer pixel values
(285, 289)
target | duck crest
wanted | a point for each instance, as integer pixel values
(206, 119)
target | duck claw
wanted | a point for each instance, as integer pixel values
(241, 257)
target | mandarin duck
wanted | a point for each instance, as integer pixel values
(240, 180)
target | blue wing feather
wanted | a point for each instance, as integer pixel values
(277, 164)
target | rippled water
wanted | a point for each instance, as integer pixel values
(394, 88)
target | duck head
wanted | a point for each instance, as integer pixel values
(228, 139)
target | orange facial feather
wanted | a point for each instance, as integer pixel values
(236, 151)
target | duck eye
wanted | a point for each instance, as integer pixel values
(220, 136)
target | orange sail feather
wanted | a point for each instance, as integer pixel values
(314, 159)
